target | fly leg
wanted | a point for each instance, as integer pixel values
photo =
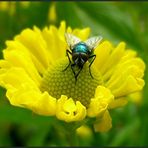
(93, 56)
(76, 75)
(81, 62)
(70, 63)
(67, 53)
(72, 67)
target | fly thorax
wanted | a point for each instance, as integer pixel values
(80, 48)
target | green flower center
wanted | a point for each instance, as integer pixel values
(57, 81)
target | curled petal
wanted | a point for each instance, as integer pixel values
(99, 104)
(45, 105)
(68, 111)
(96, 108)
(104, 123)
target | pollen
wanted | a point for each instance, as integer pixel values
(57, 81)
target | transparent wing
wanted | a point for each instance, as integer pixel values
(93, 42)
(71, 39)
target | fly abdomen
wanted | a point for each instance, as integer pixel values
(79, 59)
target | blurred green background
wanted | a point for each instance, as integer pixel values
(115, 21)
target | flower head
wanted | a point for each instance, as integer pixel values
(32, 73)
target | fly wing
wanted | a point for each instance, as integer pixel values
(71, 39)
(93, 42)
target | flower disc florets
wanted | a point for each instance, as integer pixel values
(58, 81)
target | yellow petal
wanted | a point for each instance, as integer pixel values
(5, 64)
(96, 108)
(52, 13)
(103, 124)
(35, 43)
(136, 97)
(128, 54)
(62, 29)
(113, 59)
(70, 111)
(84, 131)
(15, 77)
(129, 86)
(99, 104)
(104, 94)
(102, 52)
(83, 34)
(19, 47)
(55, 41)
(20, 59)
(119, 102)
(45, 105)
(22, 91)
(127, 77)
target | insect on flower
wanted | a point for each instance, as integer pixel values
(81, 52)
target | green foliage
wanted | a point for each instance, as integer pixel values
(115, 21)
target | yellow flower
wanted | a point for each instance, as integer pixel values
(10, 7)
(52, 13)
(32, 73)
(84, 131)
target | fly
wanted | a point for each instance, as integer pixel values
(81, 52)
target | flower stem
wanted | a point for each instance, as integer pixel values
(70, 133)
(71, 137)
